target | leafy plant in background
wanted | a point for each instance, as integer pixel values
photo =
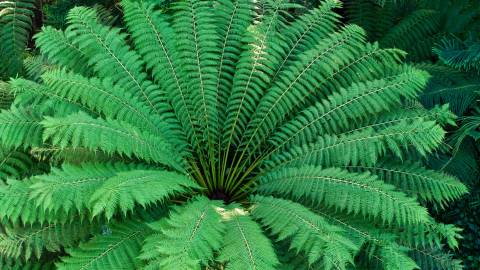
(56, 11)
(230, 135)
(442, 38)
(16, 23)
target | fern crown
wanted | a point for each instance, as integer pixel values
(225, 134)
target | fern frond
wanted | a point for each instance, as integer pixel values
(20, 128)
(256, 65)
(144, 187)
(356, 193)
(16, 19)
(188, 238)
(415, 27)
(6, 96)
(199, 50)
(9, 264)
(164, 63)
(253, 251)
(335, 114)
(70, 188)
(34, 94)
(110, 136)
(118, 248)
(35, 66)
(435, 259)
(59, 49)
(14, 163)
(297, 81)
(308, 233)
(447, 85)
(459, 54)
(363, 147)
(103, 97)
(233, 21)
(107, 52)
(303, 34)
(25, 243)
(412, 178)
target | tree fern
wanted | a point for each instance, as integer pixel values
(226, 134)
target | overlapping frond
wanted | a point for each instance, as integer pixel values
(413, 178)
(25, 243)
(111, 58)
(355, 193)
(59, 49)
(308, 233)
(126, 189)
(245, 245)
(14, 163)
(16, 19)
(116, 248)
(109, 136)
(193, 232)
(459, 54)
(336, 112)
(20, 128)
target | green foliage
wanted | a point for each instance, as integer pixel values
(16, 19)
(460, 54)
(116, 248)
(179, 143)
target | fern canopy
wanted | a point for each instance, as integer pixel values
(222, 135)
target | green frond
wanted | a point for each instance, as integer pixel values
(448, 85)
(296, 82)
(33, 94)
(116, 248)
(307, 232)
(105, 98)
(199, 48)
(123, 191)
(355, 193)
(188, 238)
(363, 147)
(375, 19)
(245, 245)
(16, 18)
(35, 66)
(391, 258)
(357, 102)
(459, 54)
(441, 114)
(10, 264)
(60, 50)
(6, 96)
(430, 235)
(412, 178)
(20, 128)
(70, 188)
(107, 51)
(303, 33)
(16, 206)
(25, 243)
(233, 19)
(14, 163)
(109, 136)
(435, 259)
(256, 65)
(164, 63)
(416, 31)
